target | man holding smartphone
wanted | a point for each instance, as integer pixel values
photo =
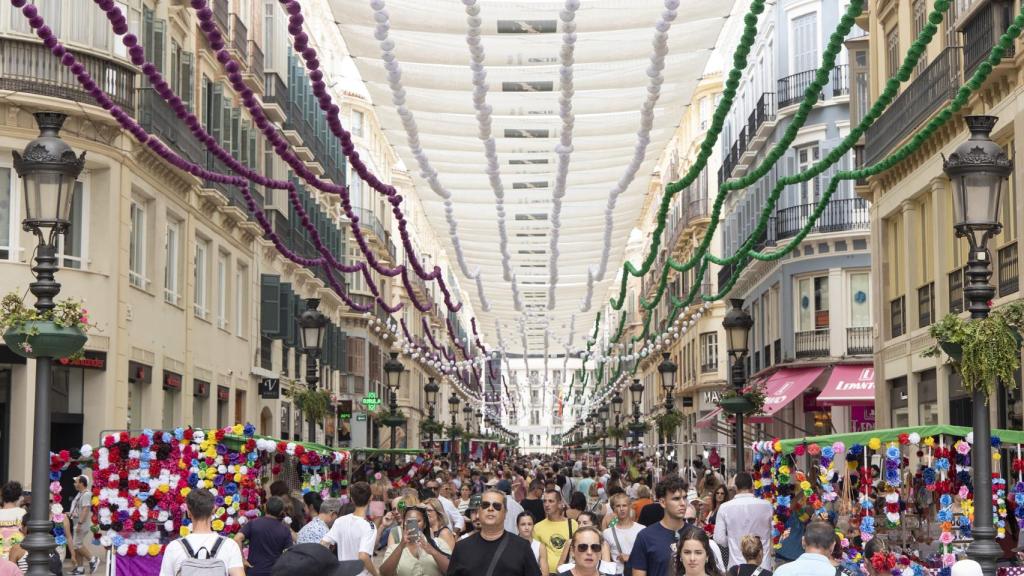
(493, 551)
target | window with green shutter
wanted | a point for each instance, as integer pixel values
(188, 81)
(286, 318)
(270, 304)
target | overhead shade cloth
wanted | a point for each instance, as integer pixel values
(784, 386)
(850, 384)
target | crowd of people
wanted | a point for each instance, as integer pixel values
(528, 517)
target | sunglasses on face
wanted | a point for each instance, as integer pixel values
(582, 548)
(485, 505)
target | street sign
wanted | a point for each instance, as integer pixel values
(360, 417)
(270, 388)
(371, 401)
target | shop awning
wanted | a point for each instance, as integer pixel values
(709, 419)
(850, 384)
(785, 386)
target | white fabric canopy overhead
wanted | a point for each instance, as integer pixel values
(447, 77)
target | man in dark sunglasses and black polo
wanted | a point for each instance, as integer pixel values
(492, 551)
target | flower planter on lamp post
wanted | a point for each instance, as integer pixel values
(737, 324)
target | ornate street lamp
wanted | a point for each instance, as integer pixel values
(48, 169)
(617, 410)
(737, 324)
(431, 389)
(393, 369)
(636, 394)
(603, 417)
(978, 169)
(467, 418)
(667, 370)
(312, 324)
(477, 420)
(453, 409)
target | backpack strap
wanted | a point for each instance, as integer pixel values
(188, 548)
(216, 547)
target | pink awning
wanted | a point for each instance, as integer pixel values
(850, 384)
(709, 419)
(785, 386)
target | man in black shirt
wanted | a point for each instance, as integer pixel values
(492, 551)
(533, 502)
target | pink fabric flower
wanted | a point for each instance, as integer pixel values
(946, 538)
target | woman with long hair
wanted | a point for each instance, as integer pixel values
(462, 502)
(414, 552)
(438, 521)
(718, 497)
(524, 522)
(585, 520)
(586, 544)
(693, 554)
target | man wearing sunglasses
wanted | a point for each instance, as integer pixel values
(493, 551)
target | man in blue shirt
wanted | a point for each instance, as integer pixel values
(655, 546)
(819, 540)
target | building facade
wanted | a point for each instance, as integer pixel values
(918, 272)
(812, 309)
(195, 310)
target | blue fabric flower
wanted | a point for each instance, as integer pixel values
(117, 540)
(249, 430)
(148, 433)
(892, 453)
(54, 476)
(946, 571)
(866, 504)
(166, 437)
(828, 452)
(855, 450)
(945, 516)
(179, 434)
(942, 464)
(231, 488)
(892, 477)
(929, 476)
(945, 500)
(867, 524)
(996, 442)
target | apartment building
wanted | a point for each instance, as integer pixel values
(812, 310)
(195, 310)
(917, 275)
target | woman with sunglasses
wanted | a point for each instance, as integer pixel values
(585, 519)
(587, 548)
(413, 550)
(439, 521)
(693, 554)
(718, 497)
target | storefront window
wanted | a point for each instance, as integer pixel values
(286, 420)
(67, 389)
(927, 399)
(170, 409)
(898, 402)
(1011, 405)
(199, 412)
(959, 401)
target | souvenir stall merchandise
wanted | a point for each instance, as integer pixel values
(877, 494)
(140, 483)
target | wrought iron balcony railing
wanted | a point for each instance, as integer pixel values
(812, 343)
(1008, 276)
(838, 216)
(858, 340)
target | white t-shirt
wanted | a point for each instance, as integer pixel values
(627, 537)
(353, 534)
(175, 552)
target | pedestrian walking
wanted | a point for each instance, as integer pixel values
(327, 512)
(353, 534)
(743, 515)
(202, 548)
(493, 551)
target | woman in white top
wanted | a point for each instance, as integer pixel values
(525, 524)
(81, 515)
(415, 553)
(465, 493)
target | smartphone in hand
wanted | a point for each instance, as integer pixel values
(412, 528)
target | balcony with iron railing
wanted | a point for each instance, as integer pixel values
(369, 221)
(839, 79)
(239, 36)
(982, 29)
(858, 341)
(256, 63)
(29, 67)
(275, 91)
(812, 343)
(791, 89)
(157, 117)
(897, 316)
(764, 111)
(1008, 278)
(838, 216)
(926, 305)
(955, 285)
(221, 15)
(932, 88)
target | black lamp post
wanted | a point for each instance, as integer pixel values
(617, 410)
(431, 388)
(311, 331)
(636, 394)
(667, 370)
(477, 421)
(48, 169)
(978, 169)
(393, 371)
(603, 417)
(453, 409)
(737, 324)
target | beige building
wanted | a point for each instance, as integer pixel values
(918, 264)
(195, 310)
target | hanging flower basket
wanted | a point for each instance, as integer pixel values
(639, 427)
(45, 338)
(982, 351)
(55, 333)
(431, 427)
(392, 419)
(737, 405)
(669, 422)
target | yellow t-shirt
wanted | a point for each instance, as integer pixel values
(554, 536)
